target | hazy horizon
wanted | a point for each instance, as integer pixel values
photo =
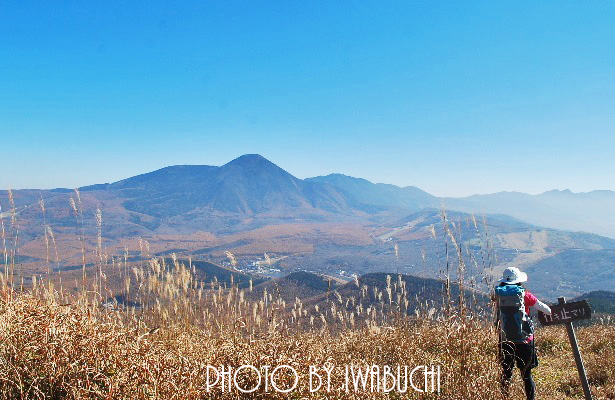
(301, 177)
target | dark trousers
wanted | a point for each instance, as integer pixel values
(524, 356)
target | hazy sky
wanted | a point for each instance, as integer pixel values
(453, 97)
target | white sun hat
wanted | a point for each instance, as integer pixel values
(513, 275)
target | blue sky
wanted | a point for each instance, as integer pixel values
(453, 97)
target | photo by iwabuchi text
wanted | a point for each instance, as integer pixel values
(324, 378)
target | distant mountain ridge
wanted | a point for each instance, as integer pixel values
(247, 185)
(561, 209)
(379, 195)
(251, 191)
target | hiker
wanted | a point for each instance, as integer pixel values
(516, 344)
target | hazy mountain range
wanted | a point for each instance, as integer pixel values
(561, 209)
(253, 187)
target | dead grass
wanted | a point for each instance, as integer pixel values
(82, 350)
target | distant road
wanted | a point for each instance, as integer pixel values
(8, 213)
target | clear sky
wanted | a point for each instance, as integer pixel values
(454, 97)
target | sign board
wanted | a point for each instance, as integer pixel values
(566, 312)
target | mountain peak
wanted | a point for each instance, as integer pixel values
(249, 160)
(557, 192)
(256, 166)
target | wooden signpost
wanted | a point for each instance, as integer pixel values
(566, 313)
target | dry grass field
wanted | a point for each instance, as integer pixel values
(59, 345)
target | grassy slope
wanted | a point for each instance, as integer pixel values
(58, 351)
